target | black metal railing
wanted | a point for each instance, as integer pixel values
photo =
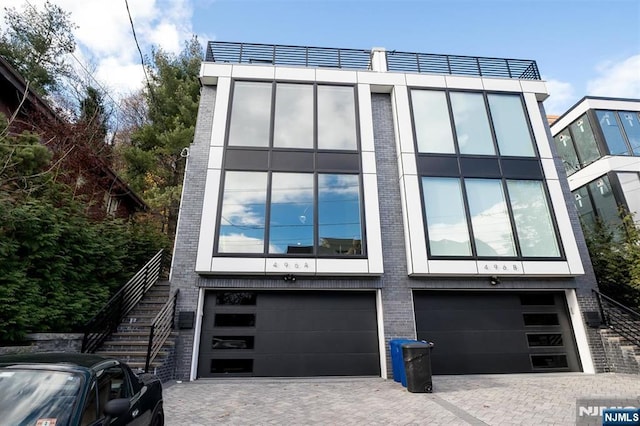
(524, 69)
(359, 59)
(109, 317)
(622, 319)
(271, 54)
(160, 329)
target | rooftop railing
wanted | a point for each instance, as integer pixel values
(523, 69)
(271, 54)
(358, 59)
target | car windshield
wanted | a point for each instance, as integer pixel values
(37, 397)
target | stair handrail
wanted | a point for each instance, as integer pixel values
(619, 317)
(105, 322)
(160, 329)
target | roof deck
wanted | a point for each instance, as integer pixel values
(360, 59)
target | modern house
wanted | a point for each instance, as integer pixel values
(598, 140)
(105, 192)
(335, 199)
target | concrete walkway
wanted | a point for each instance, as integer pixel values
(523, 399)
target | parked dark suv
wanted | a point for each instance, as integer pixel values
(67, 389)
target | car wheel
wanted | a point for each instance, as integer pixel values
(158, 417)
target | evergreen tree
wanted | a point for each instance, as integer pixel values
(37, 43)
(154, 165)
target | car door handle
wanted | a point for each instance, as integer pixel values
(134, 413)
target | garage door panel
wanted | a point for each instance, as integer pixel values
(459, 320)
(317, 342)
(464, 300)
(303, 333)
(488, 342)
(314, 320)
(496, 332)
(308, 365)
(474, 363)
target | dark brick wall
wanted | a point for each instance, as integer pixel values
(398, 319)
(183, 274)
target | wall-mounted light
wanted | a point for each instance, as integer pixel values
(493, 280)
(289, 277)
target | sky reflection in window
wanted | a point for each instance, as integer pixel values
(291, 221)
(339, 228)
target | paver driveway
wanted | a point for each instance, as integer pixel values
(531, 399)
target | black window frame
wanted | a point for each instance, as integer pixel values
(616, 189)
(312, 160)
(495, 167)
(623, 131)
(598, 136)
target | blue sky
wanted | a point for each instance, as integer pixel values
(583, 47)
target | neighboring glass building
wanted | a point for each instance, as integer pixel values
(598, 140)
(335, 199)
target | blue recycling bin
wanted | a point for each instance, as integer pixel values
(397, 361)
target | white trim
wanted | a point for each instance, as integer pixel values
(254, 71)
(219, 124)
(579, 332)
(567, 237)
(208, 221)
(538, 124)
(459, 82)
(372, 224)
(602, 166)
(366, 118)
(382, 349)
(403, 119)
(196, 336)
(587, 104)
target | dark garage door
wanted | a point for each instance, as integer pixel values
(480, 332)
(278, 334)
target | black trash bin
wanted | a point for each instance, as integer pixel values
(417, 365)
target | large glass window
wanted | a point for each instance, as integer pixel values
(532, 216)
(631, 126)
(250, 114)
(510, 125)
(336, 118)
(584, 207)
(584, 140)
(493, 221)
(290, 203)
(304, 116)
(604, 201)
(432, 122)
(490, 218)
(472, 124)
(243, 213)
(612, 134)
(567, 152)
(339, 227)
(293, 125)
(446, 218)
(291, 219)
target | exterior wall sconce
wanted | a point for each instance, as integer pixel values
(493, 280)
(289, 277)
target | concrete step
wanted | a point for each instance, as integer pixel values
(125, 343)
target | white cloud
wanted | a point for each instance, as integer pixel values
(561, 97)
(105, 39)
(617, 79)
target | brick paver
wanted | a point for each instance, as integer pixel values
(531, 399)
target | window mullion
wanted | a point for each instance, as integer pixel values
(267, 214)
(492, 129)
(467, 215)
(512, 219)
